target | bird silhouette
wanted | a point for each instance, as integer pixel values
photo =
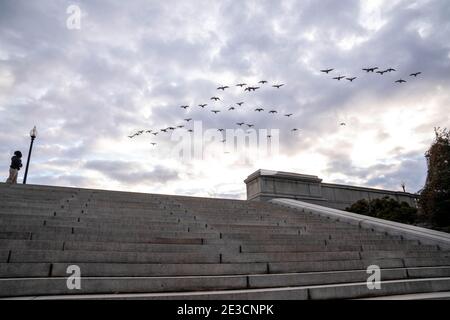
(155, 133)
(278, 86)
(184, 107)
(132, 136)
(390, 69)
(241, 85)
(164, 130)
(400, 81)
(140, 132)
(220, 130)
(415, 74)
(273, 111)
(250, 125)
(381, 72)
(223, 88)
(351, 79)
(190, 130)
(259, 109)
(240, 123)
(202, 105)
(326, 70)
(181, 126)
(148, 131)
(231, 108)
(223, 141)
(342, 124)
(288, 115)
(251, 89)
(370, 69)
(188, 119)
(269, 136)
(171, 128)
(295, 129)
(215, 111)
(239, 103)
(215, 98)
(153, 143)
(262, 81)
(339, 78)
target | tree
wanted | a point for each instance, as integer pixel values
(435, 196)
(385, 208)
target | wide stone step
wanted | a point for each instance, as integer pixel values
(91, 285)
(74, 256)
(185, 238)
(403, 254)
(321, 292)
(160, 269)
(300, 236)
(291, 256)
(334, 265)
(313, 241)
(42, 286)
(113, 246)
(332, 247)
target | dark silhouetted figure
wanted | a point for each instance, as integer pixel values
(16, 164)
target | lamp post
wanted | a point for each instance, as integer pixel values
(33, 134)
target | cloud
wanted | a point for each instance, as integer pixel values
(129, 172)
(132, 65)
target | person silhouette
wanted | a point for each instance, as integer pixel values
(16, 164)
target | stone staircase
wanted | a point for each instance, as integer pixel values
(149, 246)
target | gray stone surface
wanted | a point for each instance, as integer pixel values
(148, 246)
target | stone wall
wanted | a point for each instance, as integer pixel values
(264, 185)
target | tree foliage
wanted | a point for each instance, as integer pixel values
(435, 196)
(385, 208)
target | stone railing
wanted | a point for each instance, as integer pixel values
(425, 236)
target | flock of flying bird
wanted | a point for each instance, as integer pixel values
(216, 111)
(259, 109)
(373, 70)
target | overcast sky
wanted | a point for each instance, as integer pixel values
(133, 63)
